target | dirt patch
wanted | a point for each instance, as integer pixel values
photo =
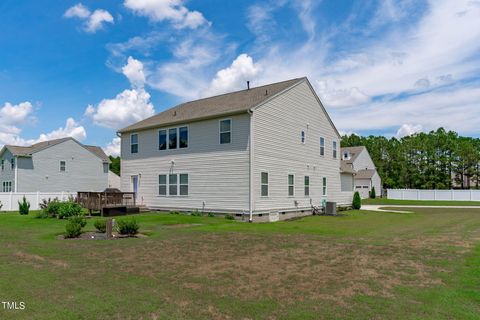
(38, 261)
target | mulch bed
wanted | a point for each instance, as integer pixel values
(100, 236)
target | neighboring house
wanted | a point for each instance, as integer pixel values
(270, 151)
(114, 180)
(359, 172)
(53, 166)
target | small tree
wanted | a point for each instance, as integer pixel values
(357, 201)
(24, 206)
(373, 195)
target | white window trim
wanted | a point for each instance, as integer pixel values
(220, 131)
(322, 147)
(324, 187)
(288, 185)
(334, 149)
(178, 137)
(262, 184)
(5, 184)
(167, 184)
(309, 185)
(65, 166)
(131, 144)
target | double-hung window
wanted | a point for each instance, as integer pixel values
(7, 186)
(173, 184)
(322, 146)
(173, 138)
(3, 165)
(12, 163)
(63, 166)
(334, 149)
(225, 131)
(134, 143)
(324, 186)
(264, 183)
(162, 140)
(183, 137)
(302, 136)
(307, 185)
(291, 185)
(183, 177)
(162, 184)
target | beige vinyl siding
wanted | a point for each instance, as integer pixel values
(7, 174)
(363, 161)
(347, 181)
(84, 171)
(278, 150)
(218, 173)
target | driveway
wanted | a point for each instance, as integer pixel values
(371, 207)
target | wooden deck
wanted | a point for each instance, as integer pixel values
(108, 203)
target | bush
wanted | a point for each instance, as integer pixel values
(229, 217)
(42, 214)
(128, 226)
(69, 209)
(373, 195)
(73, 229)
(24, 206)
(196, 213)
(211, 215)
(100, 225)
(174, 212)
(78, 219)
(357, 201)
(52, 208)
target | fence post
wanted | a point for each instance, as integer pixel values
(435, 194)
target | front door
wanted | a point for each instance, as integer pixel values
(135, 185)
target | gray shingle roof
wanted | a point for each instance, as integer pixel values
(225, 104)
(27, 151)
(365, 174)
(354, 152)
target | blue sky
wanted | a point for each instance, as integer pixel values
(86, 69)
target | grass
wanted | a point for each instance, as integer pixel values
(382, 201)
(364, 265)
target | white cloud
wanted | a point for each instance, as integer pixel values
(170, 10)
(127, 107)
(134, 71)
(408, 130)
(92, 22)
(340, 97)
(113, 147)
(72, 129)
(235, 76)
(15, 114)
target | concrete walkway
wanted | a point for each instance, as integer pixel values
(370, 207)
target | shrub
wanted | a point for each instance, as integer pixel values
(1, 205)
(42, 214)
(128, 226)
(357, 201)
(78, 219)
(229, 217)
(100, 225)
(69, 209)
(24, 206)
(196, 213)
(373, 195)
(52, 208)
(211, 215)
(73, 229)
(174, 212)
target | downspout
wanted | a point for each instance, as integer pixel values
(16, 173)
(250, 169)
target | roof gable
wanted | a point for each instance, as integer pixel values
(354, 153)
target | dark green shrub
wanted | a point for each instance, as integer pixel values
(52, 208)
(373, 194)
(229, 217)
(211, 215)
(24, 206)
(100, 225)
(69, 209)
(357, 201)
(128, 226)
(78, 219)
(174, 212)
(196, 213)
(73, 229)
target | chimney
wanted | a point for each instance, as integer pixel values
(248, 85)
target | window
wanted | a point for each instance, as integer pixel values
(172, 184)
(3, 165)
(172, 138)
(162, 140)
(7, 186)
(291, 185)
(162, 184)
(177, 184)
(302, 136)
(12, 163)
(324, 186)
(183, 137)
(307, 185)
(183, 184)
(63, 166)
(334, 149)
(264, 184)
(225, 131)
(134, 143)
(322, 146)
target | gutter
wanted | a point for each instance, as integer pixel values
(250, 169)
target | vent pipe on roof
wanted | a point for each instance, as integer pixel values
(248, 85)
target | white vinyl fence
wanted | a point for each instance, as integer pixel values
(414, 194)
(10, 200)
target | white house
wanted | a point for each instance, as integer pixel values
(357, 162)
(268, 152)
(53, 166)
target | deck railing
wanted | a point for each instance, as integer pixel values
(96, 201)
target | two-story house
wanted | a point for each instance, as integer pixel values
(53, 166)
(357, 160)
(269, 151)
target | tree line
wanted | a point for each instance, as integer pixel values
(436, 160)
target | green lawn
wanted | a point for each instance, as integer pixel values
(364, 265)
(381, 201)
